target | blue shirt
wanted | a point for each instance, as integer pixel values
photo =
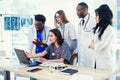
(38, 47)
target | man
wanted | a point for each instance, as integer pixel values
(38, 35)
(86, 56)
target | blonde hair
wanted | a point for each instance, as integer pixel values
(62, 16)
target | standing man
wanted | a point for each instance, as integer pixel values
(86, 56)
(38, 35)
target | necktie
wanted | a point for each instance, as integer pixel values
(83, 22)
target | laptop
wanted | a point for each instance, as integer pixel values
(23, 58)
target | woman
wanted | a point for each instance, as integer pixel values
(58, 50)
(67, 30)
(104, 38)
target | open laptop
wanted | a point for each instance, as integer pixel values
(23, 58)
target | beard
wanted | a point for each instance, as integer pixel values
(80, 16)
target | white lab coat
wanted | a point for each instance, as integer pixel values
(105, 59)
(33, 35)
(69, 34)
(86, 56)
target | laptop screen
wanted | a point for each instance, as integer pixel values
(21, 56)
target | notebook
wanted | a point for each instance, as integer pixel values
(69, 71)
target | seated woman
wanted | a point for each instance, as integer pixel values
(58, 50)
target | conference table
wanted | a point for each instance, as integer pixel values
(12, 65)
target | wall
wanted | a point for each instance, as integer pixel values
(48, 8)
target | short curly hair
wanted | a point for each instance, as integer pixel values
(40, 17)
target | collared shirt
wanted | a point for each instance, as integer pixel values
(88, 23)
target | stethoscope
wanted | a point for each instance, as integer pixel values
(59, 51)
(84, 26)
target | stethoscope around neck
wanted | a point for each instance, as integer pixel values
(58, 52)
(84, 26)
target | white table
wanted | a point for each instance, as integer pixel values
(9, 65)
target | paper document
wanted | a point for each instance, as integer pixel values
(52, 64)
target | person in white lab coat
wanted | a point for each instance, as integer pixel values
(87, 22)
(67, 30)
(38, 35)
(104, 39)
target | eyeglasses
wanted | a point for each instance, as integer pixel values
(57, 16)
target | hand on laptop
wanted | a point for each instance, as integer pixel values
(43, 59)
(28, 55)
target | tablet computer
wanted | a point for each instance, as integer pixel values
(69, 71)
